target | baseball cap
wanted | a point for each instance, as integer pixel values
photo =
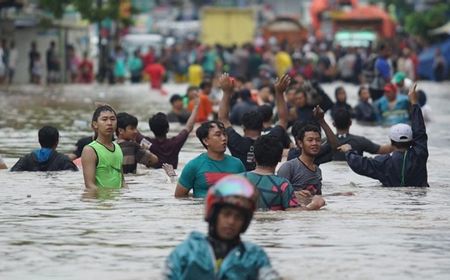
(400, 133)
(398, 77)
(390, 88)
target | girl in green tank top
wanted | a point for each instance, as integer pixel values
(108, 173)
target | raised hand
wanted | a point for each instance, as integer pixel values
(168, 168)
(196, 100)
(281, 84)
(318, 113)
(412, 94)
(226, 83)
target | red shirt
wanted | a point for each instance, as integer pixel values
(86, 71)
(148, 59)
(156, 73)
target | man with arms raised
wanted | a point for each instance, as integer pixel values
(407, 164)
(242, 146)
(167, 149)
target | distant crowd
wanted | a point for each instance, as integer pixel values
(190, 61)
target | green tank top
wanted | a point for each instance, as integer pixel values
(108, 173)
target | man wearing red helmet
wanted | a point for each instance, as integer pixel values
(230, 205)
(392, 108)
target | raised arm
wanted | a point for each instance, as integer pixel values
(417, 124)
(331, 137)
(89, 162)
(226, 84)
(280, 87)
(191, 121)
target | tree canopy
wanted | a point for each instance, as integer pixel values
(420, 23)
(89, 10)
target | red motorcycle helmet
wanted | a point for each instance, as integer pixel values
(232, 190)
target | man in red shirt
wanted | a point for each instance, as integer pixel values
(155, 72)
(86, 70)
(149, 57)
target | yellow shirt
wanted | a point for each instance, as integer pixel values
(195, 73)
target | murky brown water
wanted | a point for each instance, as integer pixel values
(48, 231)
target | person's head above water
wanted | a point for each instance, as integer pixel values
(268, 151)
(364, 94)
(48, 137)
(212, 136)
(176, 101)
(390, 92)
(100, 109)
(159, 124)
(229, 207)
(309, 139)
(252, 121)
(401, 136)
(342, 119)
(126, 126)
(104, 120)
(340, 95)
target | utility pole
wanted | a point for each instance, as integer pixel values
(101, 67)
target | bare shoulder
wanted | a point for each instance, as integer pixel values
(88, 152)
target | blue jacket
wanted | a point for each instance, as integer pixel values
(399, 168)
(399, 114)
(194, 259)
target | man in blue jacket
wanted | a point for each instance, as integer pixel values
(407, 164)
(221, 254)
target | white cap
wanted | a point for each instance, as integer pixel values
(400, 133)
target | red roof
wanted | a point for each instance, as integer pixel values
(371, 13)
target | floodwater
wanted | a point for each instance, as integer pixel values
(49, 231)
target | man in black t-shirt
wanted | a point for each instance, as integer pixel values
(242, 146)
(360, 144)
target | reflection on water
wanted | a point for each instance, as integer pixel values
(50, 230)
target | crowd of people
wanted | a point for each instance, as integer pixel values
(190, 61)
(235, 185)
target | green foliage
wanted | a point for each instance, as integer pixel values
(420, 23)
(54, 6)
(402, 9)
(87, 8)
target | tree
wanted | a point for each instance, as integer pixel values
(420, 23)
(93, 11)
